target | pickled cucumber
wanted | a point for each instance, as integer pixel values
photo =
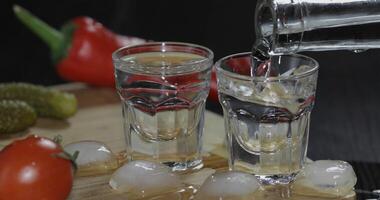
(46, 102)
(15, 116)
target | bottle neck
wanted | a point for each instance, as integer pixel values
(280, 24)
(290, 25)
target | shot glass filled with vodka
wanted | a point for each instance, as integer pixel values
(163, 87)
(267, 106)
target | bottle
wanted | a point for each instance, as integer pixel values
(290, 26)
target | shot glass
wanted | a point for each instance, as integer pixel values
(163, 87)
(267, 115)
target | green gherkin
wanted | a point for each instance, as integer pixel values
(47, 102)
(15, 116)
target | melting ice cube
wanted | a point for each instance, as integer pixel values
(94, 157)
(328, 177)
(276, 94)
(228, 185)
(139, 179)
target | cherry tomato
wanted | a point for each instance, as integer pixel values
(33, 168)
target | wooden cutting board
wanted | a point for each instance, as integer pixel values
(99, 118)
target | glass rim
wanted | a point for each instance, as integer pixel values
(209, 54)
(266, 79)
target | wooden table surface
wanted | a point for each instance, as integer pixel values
(99, 118)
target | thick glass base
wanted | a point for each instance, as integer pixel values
(276, 179)
(185, 166)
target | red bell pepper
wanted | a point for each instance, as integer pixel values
(82, 49)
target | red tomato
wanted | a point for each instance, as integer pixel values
(31, 169)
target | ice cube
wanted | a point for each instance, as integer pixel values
(301, 69)
(276, 94)
(288, 73)
(240, 88)
(326, 177)
(140, 179)
(94, 157)
(228, 185)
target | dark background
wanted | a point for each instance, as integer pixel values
(346, 118)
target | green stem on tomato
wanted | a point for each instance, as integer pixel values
(48, 34)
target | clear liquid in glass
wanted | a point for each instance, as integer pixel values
(164, 109)
(267, 121)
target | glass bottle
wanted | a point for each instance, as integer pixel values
(290, 26)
